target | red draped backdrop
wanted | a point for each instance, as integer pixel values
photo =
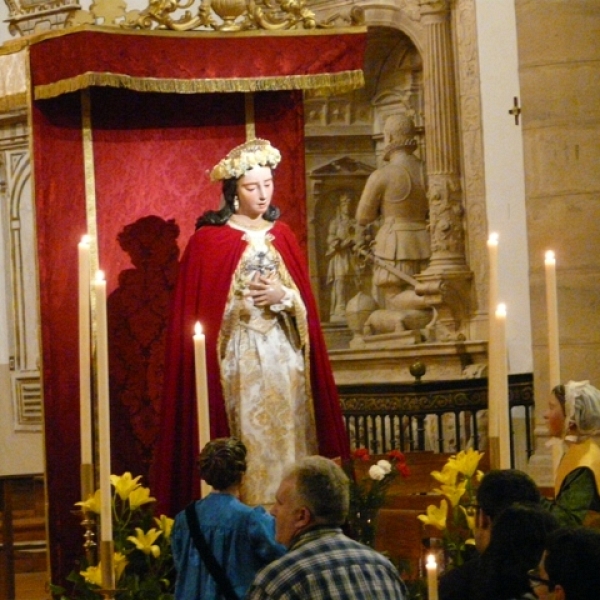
(151, 155)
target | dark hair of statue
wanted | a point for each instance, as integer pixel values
(222, 462)
(221, 216)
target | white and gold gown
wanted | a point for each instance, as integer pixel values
(263, 353)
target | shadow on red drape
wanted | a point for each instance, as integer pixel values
(151, 155)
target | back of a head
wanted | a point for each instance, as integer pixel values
(222, 462)
(501, 488)
(324, 489)
(573, 562)
(520, 531)
(518, 537)
(399, 129)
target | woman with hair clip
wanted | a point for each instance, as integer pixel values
(573, 416)
(244, 277)
(240, 539)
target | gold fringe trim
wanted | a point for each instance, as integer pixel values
(323, 84)
(13, 102)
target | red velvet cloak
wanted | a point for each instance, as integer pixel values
(205, 273)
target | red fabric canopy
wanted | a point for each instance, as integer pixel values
(151, 153)
(193, 63)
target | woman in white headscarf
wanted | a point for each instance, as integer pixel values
(574, 416)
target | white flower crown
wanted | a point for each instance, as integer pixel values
(251, 154)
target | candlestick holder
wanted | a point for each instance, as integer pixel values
(89, 545)
(86, 471)
(89, 524)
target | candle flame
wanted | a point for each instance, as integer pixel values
(198, 328)
(493, 239)
(99, 276)
(550, 258)
(501, 310)
(431, 561)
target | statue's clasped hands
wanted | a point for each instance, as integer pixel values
(266, 290)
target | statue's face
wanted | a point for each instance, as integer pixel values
(345, 205)
(255, 191)
(555, 417)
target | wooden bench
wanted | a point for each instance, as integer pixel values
(399, 533)
(16, 534)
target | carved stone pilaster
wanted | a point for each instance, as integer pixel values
(447, 278)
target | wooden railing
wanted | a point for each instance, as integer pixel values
(443, 416)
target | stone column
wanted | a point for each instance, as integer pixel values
(446, 280)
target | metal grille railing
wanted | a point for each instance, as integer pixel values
(443, 416)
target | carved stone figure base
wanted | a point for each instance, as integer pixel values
(369, 364)
(387, 340)
(337, 335)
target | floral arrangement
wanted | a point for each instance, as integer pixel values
(252, 154)
(142, 560)
(368, 494)
(455, 516)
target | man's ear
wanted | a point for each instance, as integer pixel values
(304, 517)
(483, 520)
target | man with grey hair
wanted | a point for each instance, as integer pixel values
(311, 505)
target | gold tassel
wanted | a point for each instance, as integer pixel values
(322, 84)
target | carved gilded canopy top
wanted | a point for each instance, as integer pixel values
(235, 15)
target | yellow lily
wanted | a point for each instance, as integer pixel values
(470, 516)
(93, 575)
(466, 461)
(165, 524)
(92, 504)
(436, 516)
(125, 484)
(140, 496)
(145, 541)
(119, 562)
(453, 492)
(447, 476)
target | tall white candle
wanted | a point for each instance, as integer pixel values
(203, 414)
(552, 312)
(553, 344)
(85, 406)
(432, 578)
(501, 385)
(103, 408)
(493, 348)
(492, 245)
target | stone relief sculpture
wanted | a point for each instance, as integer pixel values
(396, 195)
(341, 267)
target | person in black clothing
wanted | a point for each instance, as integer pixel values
(498, 490)
(516, 545)
(570, 566)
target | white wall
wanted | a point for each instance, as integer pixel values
(504, 171)
(20, 451)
